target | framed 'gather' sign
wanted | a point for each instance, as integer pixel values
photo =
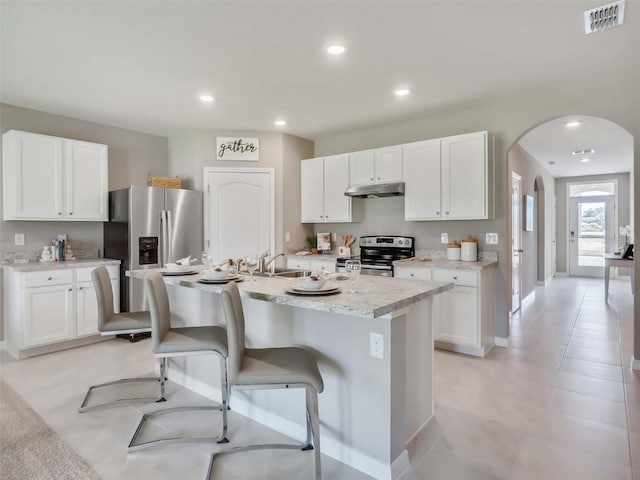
(238, 148)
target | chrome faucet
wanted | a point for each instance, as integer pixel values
(261, 260)
(271, 260)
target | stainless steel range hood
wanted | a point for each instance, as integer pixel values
(376, 190)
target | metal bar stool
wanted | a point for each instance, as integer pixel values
(167, 342)
(110, 323)
(269, 368)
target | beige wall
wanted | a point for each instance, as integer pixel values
(190, 152)
(508, 117)
(520, 162)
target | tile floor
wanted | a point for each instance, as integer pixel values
(559, 403)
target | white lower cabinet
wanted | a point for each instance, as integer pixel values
(314, 264)
(47, 309)
(48, 315)
(462, 317)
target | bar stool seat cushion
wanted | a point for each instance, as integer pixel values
(264, 366)
(127, 321)
(193, 339)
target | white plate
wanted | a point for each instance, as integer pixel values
(319, 291)
(214, 281)
(170, 273)
(218, 275)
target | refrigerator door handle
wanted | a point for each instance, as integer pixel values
(169, 236)
(163, 238)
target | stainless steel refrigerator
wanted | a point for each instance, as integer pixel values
(148, 227)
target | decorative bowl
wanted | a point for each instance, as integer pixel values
(216, 274)
(312, 282)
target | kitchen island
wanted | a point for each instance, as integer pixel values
(372, 406)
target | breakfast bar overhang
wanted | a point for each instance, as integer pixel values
(371, 407)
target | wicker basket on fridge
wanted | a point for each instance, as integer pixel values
(167, 182)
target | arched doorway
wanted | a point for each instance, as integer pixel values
(547, 156)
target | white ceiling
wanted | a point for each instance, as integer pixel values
(142, 64)
(552, 145)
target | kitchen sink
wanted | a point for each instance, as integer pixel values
(284, 272)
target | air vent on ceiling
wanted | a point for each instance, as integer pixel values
(604, 17)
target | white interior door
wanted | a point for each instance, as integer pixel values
(516, 241)
(591, 234)
(240, 211)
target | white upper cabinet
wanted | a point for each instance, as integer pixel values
(449, 178)
(376, 166)
(466, 173)
(323, 182)
(421, 164)
(86, 173)
(52, 178)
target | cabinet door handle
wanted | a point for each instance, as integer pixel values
(59, 213)
(371, 178)
(437, 213)
(49, 278)
(446, 213)
(412, 274)
(70, 213)
(378, 178)
(70, 290)
(80, 288)
(455, 277)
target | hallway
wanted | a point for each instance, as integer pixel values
(560, 403)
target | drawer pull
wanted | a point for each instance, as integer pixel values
(455, 277)
(70, 290)
(80, 288)
(49, 278)
(412, 274)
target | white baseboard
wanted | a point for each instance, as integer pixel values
(635, 363)
(330, 446)
(561, 274)
(501, 341)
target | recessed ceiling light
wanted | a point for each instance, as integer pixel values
(206, 98)
(280, 123)
(574, 123)
(401, 92)
(335, 49)
(588, 151)
(585, 160)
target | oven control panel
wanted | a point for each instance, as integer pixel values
(386, 241)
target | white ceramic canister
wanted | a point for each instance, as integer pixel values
(469, 250)
(453, 251)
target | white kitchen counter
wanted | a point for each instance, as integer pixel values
(444, 263)
(44, 266)
(372, 405)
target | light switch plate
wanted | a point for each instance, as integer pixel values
(492, 238)
(444, 238)
(287, 237)
(19, 239)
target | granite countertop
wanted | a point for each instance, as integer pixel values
(314, 256)
(376, 296)
(43, 266)
(444, 263)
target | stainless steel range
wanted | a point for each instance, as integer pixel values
(377, 254)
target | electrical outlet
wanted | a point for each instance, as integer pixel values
(376, 345)
(492, 238)
(287, 237)
(19, 239)
(444, 238)
(334, 236)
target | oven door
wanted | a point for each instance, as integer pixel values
(378, 270)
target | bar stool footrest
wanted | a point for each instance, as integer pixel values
(134, 446)
(85, 408)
